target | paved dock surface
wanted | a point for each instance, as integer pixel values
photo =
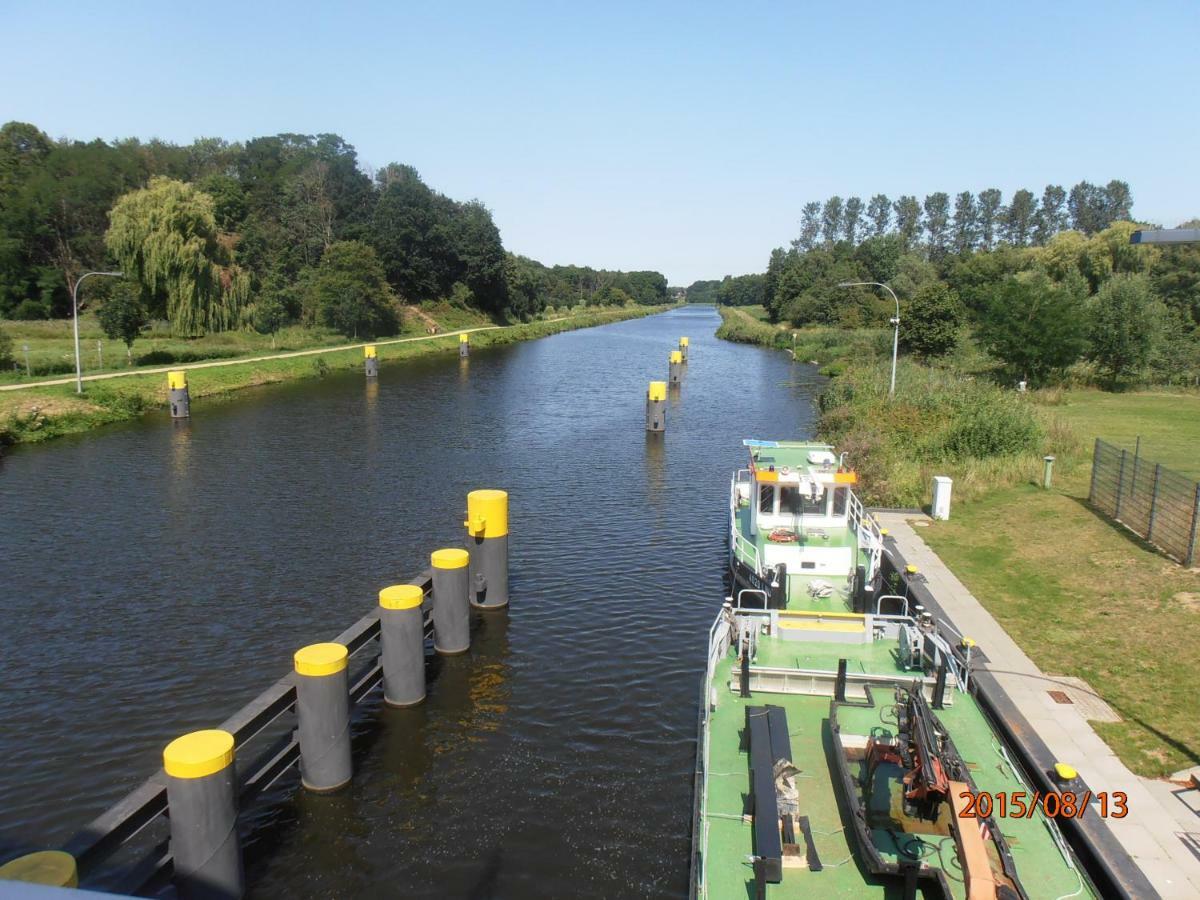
(1162, 831)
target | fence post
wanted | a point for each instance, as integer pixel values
(1190, 559)
(1153, 503)
(1120, 484)
(1095, 466)
(1137, 455)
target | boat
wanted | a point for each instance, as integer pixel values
(842, 752)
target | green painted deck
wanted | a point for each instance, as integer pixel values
(726, 865)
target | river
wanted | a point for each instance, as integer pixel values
(158, 575)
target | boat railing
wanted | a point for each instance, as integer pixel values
(739, 545)
(719, 638)
(869, 536)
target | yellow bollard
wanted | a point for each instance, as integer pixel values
(656, 407)
(683, 348)
(177, 394)
(451, 605)
(487, 541)
(371, 360)
(464, 345)
(675, 369)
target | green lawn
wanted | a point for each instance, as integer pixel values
(1084, 596)
(1169, 424)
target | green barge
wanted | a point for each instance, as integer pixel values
(842, 752)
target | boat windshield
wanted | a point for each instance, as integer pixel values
(795, 503)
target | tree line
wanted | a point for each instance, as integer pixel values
(1042, 285)
(285, 228)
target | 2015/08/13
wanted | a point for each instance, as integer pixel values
(1021, 804)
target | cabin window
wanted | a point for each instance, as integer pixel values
(793, 502)
(839, 500)
(766, 498)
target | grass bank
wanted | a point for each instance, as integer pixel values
(830, 348)
(42, 413)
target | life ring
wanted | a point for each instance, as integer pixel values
(782, 536)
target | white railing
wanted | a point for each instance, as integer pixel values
(739, 545)
(719, 636)
(869, 536)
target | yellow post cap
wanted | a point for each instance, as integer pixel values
(198, 754)
(1065, 772)
(658, 390)
(177, 380)
(683, 342)
(401, 596)
(369, 351)
(321, 659)
(450, 558)
(54, 868)
(884, 532)
(968, 642)
(464, 338)
(676, 356)
(487, 514)
(911, 570)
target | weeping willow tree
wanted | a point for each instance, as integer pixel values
(166, 237)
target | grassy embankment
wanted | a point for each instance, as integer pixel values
(41, 413)
(1083, 596)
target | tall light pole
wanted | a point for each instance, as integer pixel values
(75, 315)
(895, 323)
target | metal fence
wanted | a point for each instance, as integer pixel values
(1149, 499)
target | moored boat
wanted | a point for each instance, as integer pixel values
(842, 752)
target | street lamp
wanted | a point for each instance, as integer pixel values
(75, 314)
(895, 323)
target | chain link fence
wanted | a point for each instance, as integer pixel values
(1149, 499)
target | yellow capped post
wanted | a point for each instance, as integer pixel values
(52, 868)
(402, 641)
(487, 540)
(683, 348)
(202, 810)
(177, 394)
(656, 407)
(323, 715)
(464, 345)
(675, 368)
(451, 604)
(370, 361)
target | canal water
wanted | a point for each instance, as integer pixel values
(156, 576)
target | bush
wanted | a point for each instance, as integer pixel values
(6, 345)
(31, 309)
(929, 323)
(169, 358)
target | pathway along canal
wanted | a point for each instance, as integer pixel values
(159, 575)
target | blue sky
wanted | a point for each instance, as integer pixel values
(678, 137)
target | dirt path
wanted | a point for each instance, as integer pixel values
(50, 382)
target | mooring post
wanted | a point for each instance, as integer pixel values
(464, 345)
(177, 394)
(371, 361)
(675, 368)
(487, 546)
(52, 868)
(451, 608)
(683, 349)
(402, 636)
(323, 716)
(202, 808)
(656, 406)
(1047, 471)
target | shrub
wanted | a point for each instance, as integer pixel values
(6, 345)
(31, 309)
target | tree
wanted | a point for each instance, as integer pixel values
(908, 219)
(937, 222)
(879, 213)
(810, 227)
(6, 345)
(1088, 206)
(1118, 202)
(831, 219)
(165, 237)
(929, 322)
(348, 292)
(122, 315)
(851, 218)
(966, 223)
(1051, 218)
(268, 314)
(1124, 325)
(989, 214)
(1018, 218)
(1035, 326)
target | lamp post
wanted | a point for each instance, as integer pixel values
(895, 323)
(75, 315)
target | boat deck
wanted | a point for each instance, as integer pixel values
(726, 863)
